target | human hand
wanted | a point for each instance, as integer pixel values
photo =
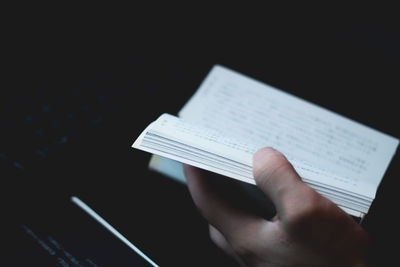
(307, 230)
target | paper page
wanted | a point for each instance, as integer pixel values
(178, 140)
(242, 108)
(198, 138)
(206, 148)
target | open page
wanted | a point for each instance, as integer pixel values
(242, 108)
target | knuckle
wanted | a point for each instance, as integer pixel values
(215, 236)
(243, 249)
(249, 254)
(242, 240)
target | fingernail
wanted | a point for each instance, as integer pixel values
(260, 154)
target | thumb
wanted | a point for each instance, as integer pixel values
(277, 178)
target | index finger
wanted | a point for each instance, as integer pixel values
(229, 220)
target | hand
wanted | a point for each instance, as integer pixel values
(307, 230)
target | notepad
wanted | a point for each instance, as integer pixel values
(232, 115)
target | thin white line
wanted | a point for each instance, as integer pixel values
(97, 217)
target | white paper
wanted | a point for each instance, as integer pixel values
(231, 116)
(242, 108)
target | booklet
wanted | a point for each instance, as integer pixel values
(232, 115)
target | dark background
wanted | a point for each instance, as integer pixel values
(143, 62)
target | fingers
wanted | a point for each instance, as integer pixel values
(218, 238)
(228, 220)
(277, 178)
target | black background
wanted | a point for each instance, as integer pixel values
(151, 60)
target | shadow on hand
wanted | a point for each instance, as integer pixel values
(241, 195)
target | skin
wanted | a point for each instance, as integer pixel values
(307, 230)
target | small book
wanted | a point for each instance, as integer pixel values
(231, 116)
